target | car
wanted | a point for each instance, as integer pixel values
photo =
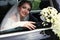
(37, 34)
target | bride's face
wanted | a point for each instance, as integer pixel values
(24, 9)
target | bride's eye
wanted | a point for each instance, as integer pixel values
(29, 9)
(24, 7)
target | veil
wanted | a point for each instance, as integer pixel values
(10, 13)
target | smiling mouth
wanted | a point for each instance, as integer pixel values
(25, 14)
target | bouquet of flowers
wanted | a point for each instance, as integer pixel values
(50, 14)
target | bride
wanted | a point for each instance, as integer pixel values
(18, 17)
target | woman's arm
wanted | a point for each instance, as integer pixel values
(10, 24)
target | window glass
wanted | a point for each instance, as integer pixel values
(40, 4)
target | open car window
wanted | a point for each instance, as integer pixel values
(37, 6)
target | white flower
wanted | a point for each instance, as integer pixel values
(50, 14)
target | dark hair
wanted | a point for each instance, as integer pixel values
(25, 1)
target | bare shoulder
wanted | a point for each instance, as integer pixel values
(14, 17)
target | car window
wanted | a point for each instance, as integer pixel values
(40, 4)
(37, 5)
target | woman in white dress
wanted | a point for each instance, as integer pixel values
(18, 17)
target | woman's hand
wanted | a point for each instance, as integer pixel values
(29, 25)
